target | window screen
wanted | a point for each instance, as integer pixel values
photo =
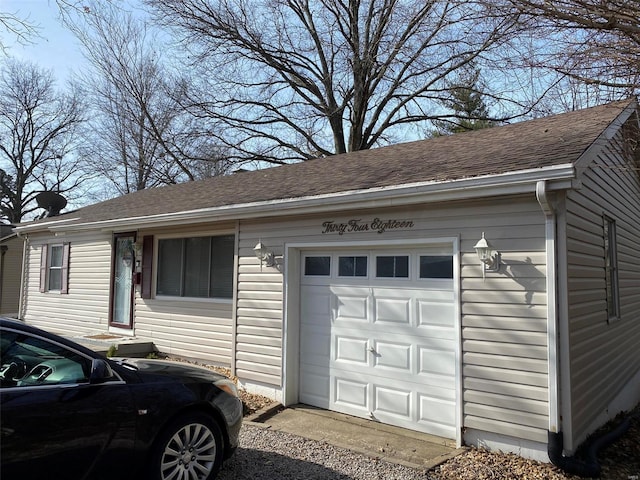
(199, 267)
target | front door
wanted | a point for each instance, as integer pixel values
(124, 259)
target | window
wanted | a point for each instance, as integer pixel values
(200, 267)
(611, 269)
(317, 266)
(29, 361)
(436, 266)
(392, 266)
(352, 266)
(54, 268)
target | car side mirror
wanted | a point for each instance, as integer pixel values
(100, 371)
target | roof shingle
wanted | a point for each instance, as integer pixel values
(540, 143)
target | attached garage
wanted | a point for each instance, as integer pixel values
(379, 335)
(352, 283)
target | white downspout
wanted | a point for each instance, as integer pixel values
(552, 309)
(23, 282)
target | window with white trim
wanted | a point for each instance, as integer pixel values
(54, 268)
(392, 266)
(199, 267)
(611, 269)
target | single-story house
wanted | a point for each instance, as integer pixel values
(358, 282)
(10, 270)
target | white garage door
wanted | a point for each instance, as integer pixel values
(378, 336)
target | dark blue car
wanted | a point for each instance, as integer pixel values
(69, 413)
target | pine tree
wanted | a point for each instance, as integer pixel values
(467, 106)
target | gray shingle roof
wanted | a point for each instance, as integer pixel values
(533, 144)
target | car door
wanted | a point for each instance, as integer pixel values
(55, 423)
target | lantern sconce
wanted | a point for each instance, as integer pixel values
(264, 255)
(137, 248)
(489, 257)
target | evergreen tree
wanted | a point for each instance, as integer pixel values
(467, 106)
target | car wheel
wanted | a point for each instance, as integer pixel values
(191, 448)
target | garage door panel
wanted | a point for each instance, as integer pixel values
(352, 310)
(437, 415)
(390, 355)
(390, 312)
(351, 393)
(436, 361)
(435, 314)
(392, 401)
(352, 350)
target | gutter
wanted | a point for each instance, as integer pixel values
(513, 183)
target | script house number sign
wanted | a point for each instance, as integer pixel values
(357, 225)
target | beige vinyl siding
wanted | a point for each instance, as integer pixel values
(260, 309)
(503, 317)
(11, 275)
(85, 309)
(187, 328)
(603, 355)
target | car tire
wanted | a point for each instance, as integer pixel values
(190, 448)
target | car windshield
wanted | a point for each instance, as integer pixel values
(28, 360)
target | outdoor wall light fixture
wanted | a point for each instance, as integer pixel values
(264, 255)
(489, 257)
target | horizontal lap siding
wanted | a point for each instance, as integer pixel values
(192, 329)
(85, 309)
(603, 355)
(504, 332)
(503, 317)
(260, 309)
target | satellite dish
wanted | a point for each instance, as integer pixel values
(52, 202)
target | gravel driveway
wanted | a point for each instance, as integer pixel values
(273, 455)
(269, 455)
(265, 454)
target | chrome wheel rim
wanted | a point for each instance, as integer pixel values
(189, 455)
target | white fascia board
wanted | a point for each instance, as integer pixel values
(558, 177)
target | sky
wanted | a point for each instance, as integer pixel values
(55, 49)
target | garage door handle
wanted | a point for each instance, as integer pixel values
(372, 350)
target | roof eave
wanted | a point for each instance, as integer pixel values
(559, 177)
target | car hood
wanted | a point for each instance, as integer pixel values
(177, 371)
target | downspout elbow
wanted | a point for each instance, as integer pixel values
(589, 467)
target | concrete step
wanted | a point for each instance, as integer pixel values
(124, 347)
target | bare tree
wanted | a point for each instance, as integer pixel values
(297, 79)
(38, 138)
(593, 41)
(21, 29)
(142, 137)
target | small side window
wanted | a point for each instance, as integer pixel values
(436, 266)
(54, 268)
(317, 266)
(396, 266)
(611, 269)
(352, 266)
